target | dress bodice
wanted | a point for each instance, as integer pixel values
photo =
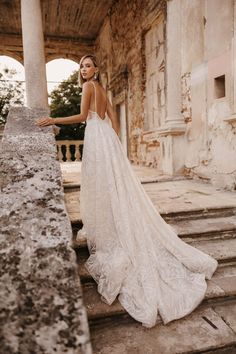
(93, 114)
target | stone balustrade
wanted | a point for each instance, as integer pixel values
(69, 150)
(1, 132)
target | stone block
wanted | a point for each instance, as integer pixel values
(40, 293)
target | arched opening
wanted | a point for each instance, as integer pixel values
(58, 70)
(12, 85)
(64, 100)
(12, 55)
(14, 64)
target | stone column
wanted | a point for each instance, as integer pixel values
(173, 62)
(231, 119)
(34, 57)
(172, 131)
(233, 103)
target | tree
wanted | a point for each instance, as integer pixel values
(11, 93)
(65, 101)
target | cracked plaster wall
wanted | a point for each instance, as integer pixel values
(206, 52)
(120, 48)
(211, 141)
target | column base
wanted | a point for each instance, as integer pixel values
(172, 128)
(172, 146)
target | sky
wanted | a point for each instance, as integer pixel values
(56, 70)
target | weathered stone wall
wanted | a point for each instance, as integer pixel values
(208, 48)
(207, 53)
(120, 47)
(40, 293)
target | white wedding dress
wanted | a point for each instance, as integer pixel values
(134, 253)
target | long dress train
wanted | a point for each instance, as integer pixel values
(134, 253)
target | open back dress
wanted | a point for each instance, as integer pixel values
(134, 253)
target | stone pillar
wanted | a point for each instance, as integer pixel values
(173, 62)
(172, 131)
(34, 57)
(232, 117)
(233, 103)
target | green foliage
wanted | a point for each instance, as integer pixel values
(11, 93)
(65, 101)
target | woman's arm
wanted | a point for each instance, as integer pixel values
(113, 117)
(77, 118)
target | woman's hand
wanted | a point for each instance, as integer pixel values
(44, 122)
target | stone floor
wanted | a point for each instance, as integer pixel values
(179, 195)
(71, 174)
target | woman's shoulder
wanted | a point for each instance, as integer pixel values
(89, 86)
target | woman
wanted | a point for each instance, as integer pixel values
(134, 253)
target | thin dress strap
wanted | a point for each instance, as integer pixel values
(95, 96)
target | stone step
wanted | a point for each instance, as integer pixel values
(200, 213)
(221, 288)
(206, 330)
(170, 217)
(190, 230)
(207, 228)
(73, 184)
(176, 212)
(85, 276)
(204, 218)
(222, 250)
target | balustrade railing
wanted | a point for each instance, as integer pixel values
(69, 150)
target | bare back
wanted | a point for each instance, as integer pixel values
(100, 104)
(98, 101)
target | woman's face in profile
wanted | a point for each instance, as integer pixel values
(87, 69)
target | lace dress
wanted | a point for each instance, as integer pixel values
(134, 253)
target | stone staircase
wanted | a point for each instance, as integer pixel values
(211, 328)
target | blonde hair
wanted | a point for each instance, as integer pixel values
(81, 80)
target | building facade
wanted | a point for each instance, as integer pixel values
(168, 65)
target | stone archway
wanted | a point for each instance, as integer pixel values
(12, 86)
(11, 58)
(14, 55)
(13, 62)
(51, 57)
(58, 69)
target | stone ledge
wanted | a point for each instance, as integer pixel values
(40, 293)
(231, 120)
(172, 128)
